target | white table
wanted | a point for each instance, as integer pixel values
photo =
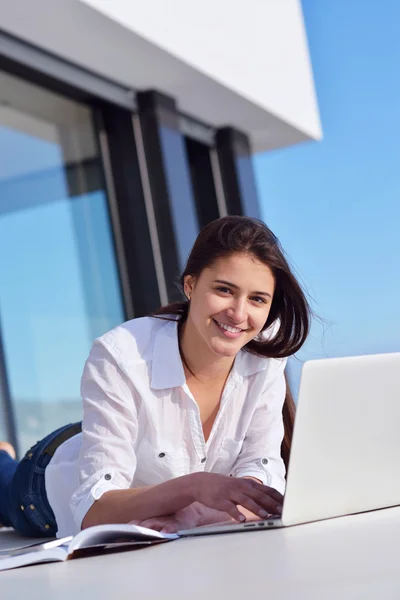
(356, 557)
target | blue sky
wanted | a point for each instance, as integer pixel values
(335, 205)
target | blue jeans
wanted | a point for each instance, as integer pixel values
(23, 499)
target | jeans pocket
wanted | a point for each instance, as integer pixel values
(38, 515)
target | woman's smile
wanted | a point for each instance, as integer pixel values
(229, 305)
(228, 330)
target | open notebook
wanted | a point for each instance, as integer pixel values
(93, 540)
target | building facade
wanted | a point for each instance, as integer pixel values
(123, 130)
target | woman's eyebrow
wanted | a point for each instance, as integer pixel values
(236, 287)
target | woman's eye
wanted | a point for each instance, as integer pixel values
(259, 300)
(224, 290)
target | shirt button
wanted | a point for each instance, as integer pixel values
(203, 460)
(107, 476)
(264, 461)
(161, 455)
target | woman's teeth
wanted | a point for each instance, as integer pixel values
(229, 328)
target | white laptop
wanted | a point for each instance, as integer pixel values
(346, 444)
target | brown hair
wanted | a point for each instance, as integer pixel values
(288, 414)
(290, 309)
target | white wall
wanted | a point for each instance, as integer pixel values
(257, 48)
(227, 63)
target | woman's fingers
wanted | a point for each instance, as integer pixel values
(257, 498)
(267, 503)
(232, 510)
(269, 491)
(156, 524)
(224, 493)
(254, 507)
(254, 500)
(273, 493)
(171, 528)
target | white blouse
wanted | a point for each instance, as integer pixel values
(142, 426)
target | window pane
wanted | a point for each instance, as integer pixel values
(247, 186)
(59, 286)
(3, 419)
(203, 184)
(180, 189)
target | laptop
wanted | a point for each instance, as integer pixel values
(346, 443)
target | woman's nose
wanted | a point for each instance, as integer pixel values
(237, 311)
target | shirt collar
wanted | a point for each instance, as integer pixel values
(167, 368)
(247, 364)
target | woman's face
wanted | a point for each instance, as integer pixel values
(229, 303)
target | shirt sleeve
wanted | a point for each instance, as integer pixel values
(107, 460)
(260, 456)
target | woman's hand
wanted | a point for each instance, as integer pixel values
(219, 492)
(224, 493)
(194, 515)
(191, 516)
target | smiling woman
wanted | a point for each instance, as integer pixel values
(183, 419)
(240, 258)
(225, 304)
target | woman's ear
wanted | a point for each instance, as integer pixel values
(188, 285)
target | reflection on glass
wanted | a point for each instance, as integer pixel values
(3, 432)
(59, 286)
(247, 186)
(180, 189)
(203, 183)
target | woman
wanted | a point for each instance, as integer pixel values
(182, 417)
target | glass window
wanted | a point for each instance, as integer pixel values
(247, 186)
(202, 181)
(178, 180)
(3, 416)
(59, 286)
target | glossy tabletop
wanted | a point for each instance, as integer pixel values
(354, 557)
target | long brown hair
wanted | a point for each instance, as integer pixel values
(288, 414)
(289, 309)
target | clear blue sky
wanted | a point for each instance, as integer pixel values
(335, 204)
